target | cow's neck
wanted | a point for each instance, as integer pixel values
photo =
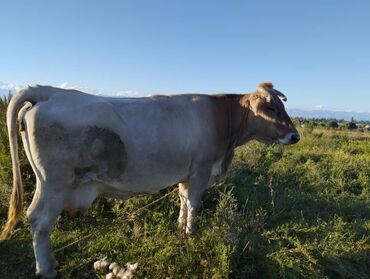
(240, 115)
(236, 120)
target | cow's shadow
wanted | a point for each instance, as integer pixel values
(16, 255)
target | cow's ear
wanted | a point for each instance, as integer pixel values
(280, 95)
(244, 102)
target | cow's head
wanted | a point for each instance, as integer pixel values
(268, 121)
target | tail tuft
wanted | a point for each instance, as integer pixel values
(14, 213)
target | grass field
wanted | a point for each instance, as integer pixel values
(342, 133)
(299, 211)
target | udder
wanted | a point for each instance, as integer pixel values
(80, 198)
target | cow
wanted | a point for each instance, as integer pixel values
(81, 146)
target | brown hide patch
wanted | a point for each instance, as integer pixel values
(53, 143)
(229, 116)
(102, 153)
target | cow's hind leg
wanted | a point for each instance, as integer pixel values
(183, 194)
(46, 206)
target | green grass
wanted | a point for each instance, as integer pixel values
(314, 224)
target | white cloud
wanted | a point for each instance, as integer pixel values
(121, 93)
(126, 93)
(5, 87)
(319, 106)
(10, 86)
(66, 85)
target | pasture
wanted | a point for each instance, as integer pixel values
(300, 211)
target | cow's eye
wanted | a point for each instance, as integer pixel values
(271, 109)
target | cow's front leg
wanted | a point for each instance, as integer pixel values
(197, 184)
(183, 194)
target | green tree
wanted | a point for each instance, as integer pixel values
(351, 125)
(332, 124)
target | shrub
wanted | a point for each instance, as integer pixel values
(332, 124)
(351, 126)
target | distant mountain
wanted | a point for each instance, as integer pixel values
(346, 115)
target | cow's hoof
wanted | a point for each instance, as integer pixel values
(55, 264)
(51, 274)
(191, 230)
(181, 226)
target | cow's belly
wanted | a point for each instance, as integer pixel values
(149, 171)
(138, 179)
(151, 181)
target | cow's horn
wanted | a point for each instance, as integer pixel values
(281, 95)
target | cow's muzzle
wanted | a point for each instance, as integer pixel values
(295, 138)
(290, 138)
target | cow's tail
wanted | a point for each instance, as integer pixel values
(32, 95)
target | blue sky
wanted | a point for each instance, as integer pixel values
(316, 52)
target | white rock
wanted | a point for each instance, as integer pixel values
(121, 274)
(101, 265)
(128, 274)
(132, 267)
(113, 265)
(97, 265)
(116, 270)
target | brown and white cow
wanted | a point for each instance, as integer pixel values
(81, 146)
